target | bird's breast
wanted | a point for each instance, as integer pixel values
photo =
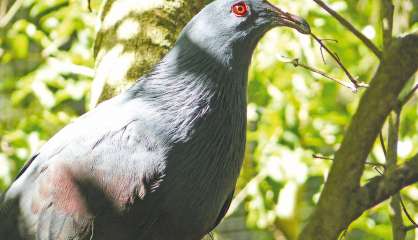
(202, 172)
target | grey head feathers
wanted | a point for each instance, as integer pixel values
(207, 69)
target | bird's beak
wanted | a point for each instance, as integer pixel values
(284, 18)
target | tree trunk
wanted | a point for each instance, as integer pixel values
(133, 36)
(343, 199)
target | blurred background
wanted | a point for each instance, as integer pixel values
(46, 73)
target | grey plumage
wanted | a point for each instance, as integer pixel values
(159, 161)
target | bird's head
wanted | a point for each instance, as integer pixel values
(233, 27)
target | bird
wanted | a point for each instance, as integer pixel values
(159, 161)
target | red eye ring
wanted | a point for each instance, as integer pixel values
(240, 9)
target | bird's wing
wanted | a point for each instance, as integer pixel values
(224, 210)
(100, 164)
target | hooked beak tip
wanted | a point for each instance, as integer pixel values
(293, 21)
(290, 20)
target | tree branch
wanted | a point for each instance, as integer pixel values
(356, 84)
(387, 11)
(408, 97)
(351, 28)
(381, 188)
(336, 207)
(296, 63)
(398, 227)
(378, 165)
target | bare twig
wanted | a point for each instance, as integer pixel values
(410, 228)
(414, 224)
(322, 54)
(396, 203)
(376, 191)
(382, 143)
(350, 27)
(381, 165)
(296, 63)
(356, 84)
(330, 39)
(322, 157)
(321, 48)
(397, 198)
(408, 97)
(391, 160)
(378, 170)
(385, 152)
(387, 11)
(376, 165)
(342, 188)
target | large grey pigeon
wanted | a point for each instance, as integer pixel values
(161, 160)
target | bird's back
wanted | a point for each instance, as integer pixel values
(115, 170)
(100, 165)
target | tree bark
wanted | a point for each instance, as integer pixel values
(133, 36)
(343, 199)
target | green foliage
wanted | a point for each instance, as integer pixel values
(46, 69)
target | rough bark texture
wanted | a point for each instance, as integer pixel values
(342, 199)
(133, 36)
(381, 188)
(395, 210)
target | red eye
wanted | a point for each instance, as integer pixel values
(240, 9)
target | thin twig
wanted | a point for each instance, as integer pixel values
(322, 54)
(379, 171)
(296, 63)
(321, 48)
(330, 40)
(393, 132)
(322, 157)
(387, 13)
(410, 228)
(337, 59)
(332, 159)
(408, 97)
(382, 143)
(414, 224)
(391, 161)
(350, 27)
(381, 165)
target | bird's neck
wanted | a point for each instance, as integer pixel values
(200, 109)
(189, 86)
